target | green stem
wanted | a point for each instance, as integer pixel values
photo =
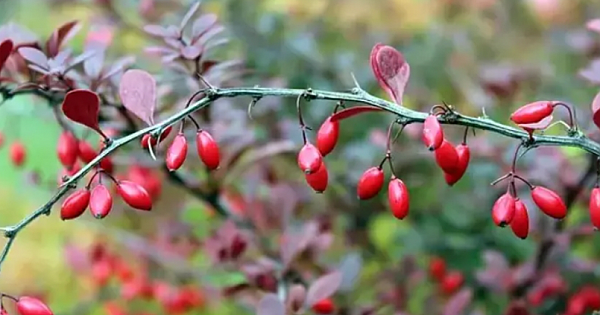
(405, 116)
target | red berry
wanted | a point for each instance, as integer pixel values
(154, 141)
(503, 210)
(327, 136)
(446, 157)
(437, 268)
(532, 112)
(549, 202)
(576, 305)
(595, 207)
(134, 195)
(520, 221)
(398, 198)
(67, 149)
(68, 172)
(319, 179)
(370, 183)
(100, 201)
(107, 164)
(452, 282)
(433, 134)
(148, 178)
(86, 152)
(75, 204)
(309, 159)
(464, 155)
(17, 153)
(591, 295)
(238, 246)
(208, 149)
(176, 153)
(324, 306)
(27, 305)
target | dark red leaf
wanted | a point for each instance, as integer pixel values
(189, 15)
(82, 106)
(323, 287)
(391, 70)
(206, 65)
(6, 48)
(353, 111)
(270, 305)
(596, 110)
(34, 56)
(61, 35)
(138, 94)
(458, 302)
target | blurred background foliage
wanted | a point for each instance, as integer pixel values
(479, 55)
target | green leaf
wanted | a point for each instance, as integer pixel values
(221, 278)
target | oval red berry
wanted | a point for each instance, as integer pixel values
(100, 202)
(17, 153)
(134, 195)
(520, 221)
(327, 136)
(318, 180)
(176, 153)
(532, 112)
(208, 150)
(370, 183)
(549, 202)
(398, 198)
(31, 306)
(75, 204)
(67, 149)
(433, 134)
(446, 157)
(309, 159)
(503, 210)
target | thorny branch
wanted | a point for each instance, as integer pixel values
(405, 116)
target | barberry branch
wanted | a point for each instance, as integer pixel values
(404, 115)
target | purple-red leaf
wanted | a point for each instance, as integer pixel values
(60, 35)
(353, 111)
(138, 94)
(458, 302)
(189, 15)
(34, 56)
(82, 106)
(156, 30)
(323, 287)
(391, 70)
(202, 24)
(270, 305)
(6, 48)
(596, 110)
(542, 124)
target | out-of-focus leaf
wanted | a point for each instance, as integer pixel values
(350, 267)
(323, 287)
(201, 25)
(222, 278)
(458, 302)
(35, 56)
(270, 305)
(193, 9)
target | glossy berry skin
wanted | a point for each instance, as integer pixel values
(67, 149)
(437, 268)
(327, 136)
(154, 141)
(134, 195)
(446, 157)
(520, 222)
(17, 153)
(370, 183)
(86, 152)
(100, 202)
(318, 180)
(31, 306)
(464, 156)
(595, 207)
(324, 306)
(398, 198)
(532, 113)
(452, 282)
(208, 150)
(75, 204)
(176, 153)
(549, 202)
(309, 158)
(433, 134)
(503, 210)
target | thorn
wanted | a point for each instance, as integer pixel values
(356, 85)
(150, 150)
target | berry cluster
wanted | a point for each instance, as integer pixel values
(449, 282)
